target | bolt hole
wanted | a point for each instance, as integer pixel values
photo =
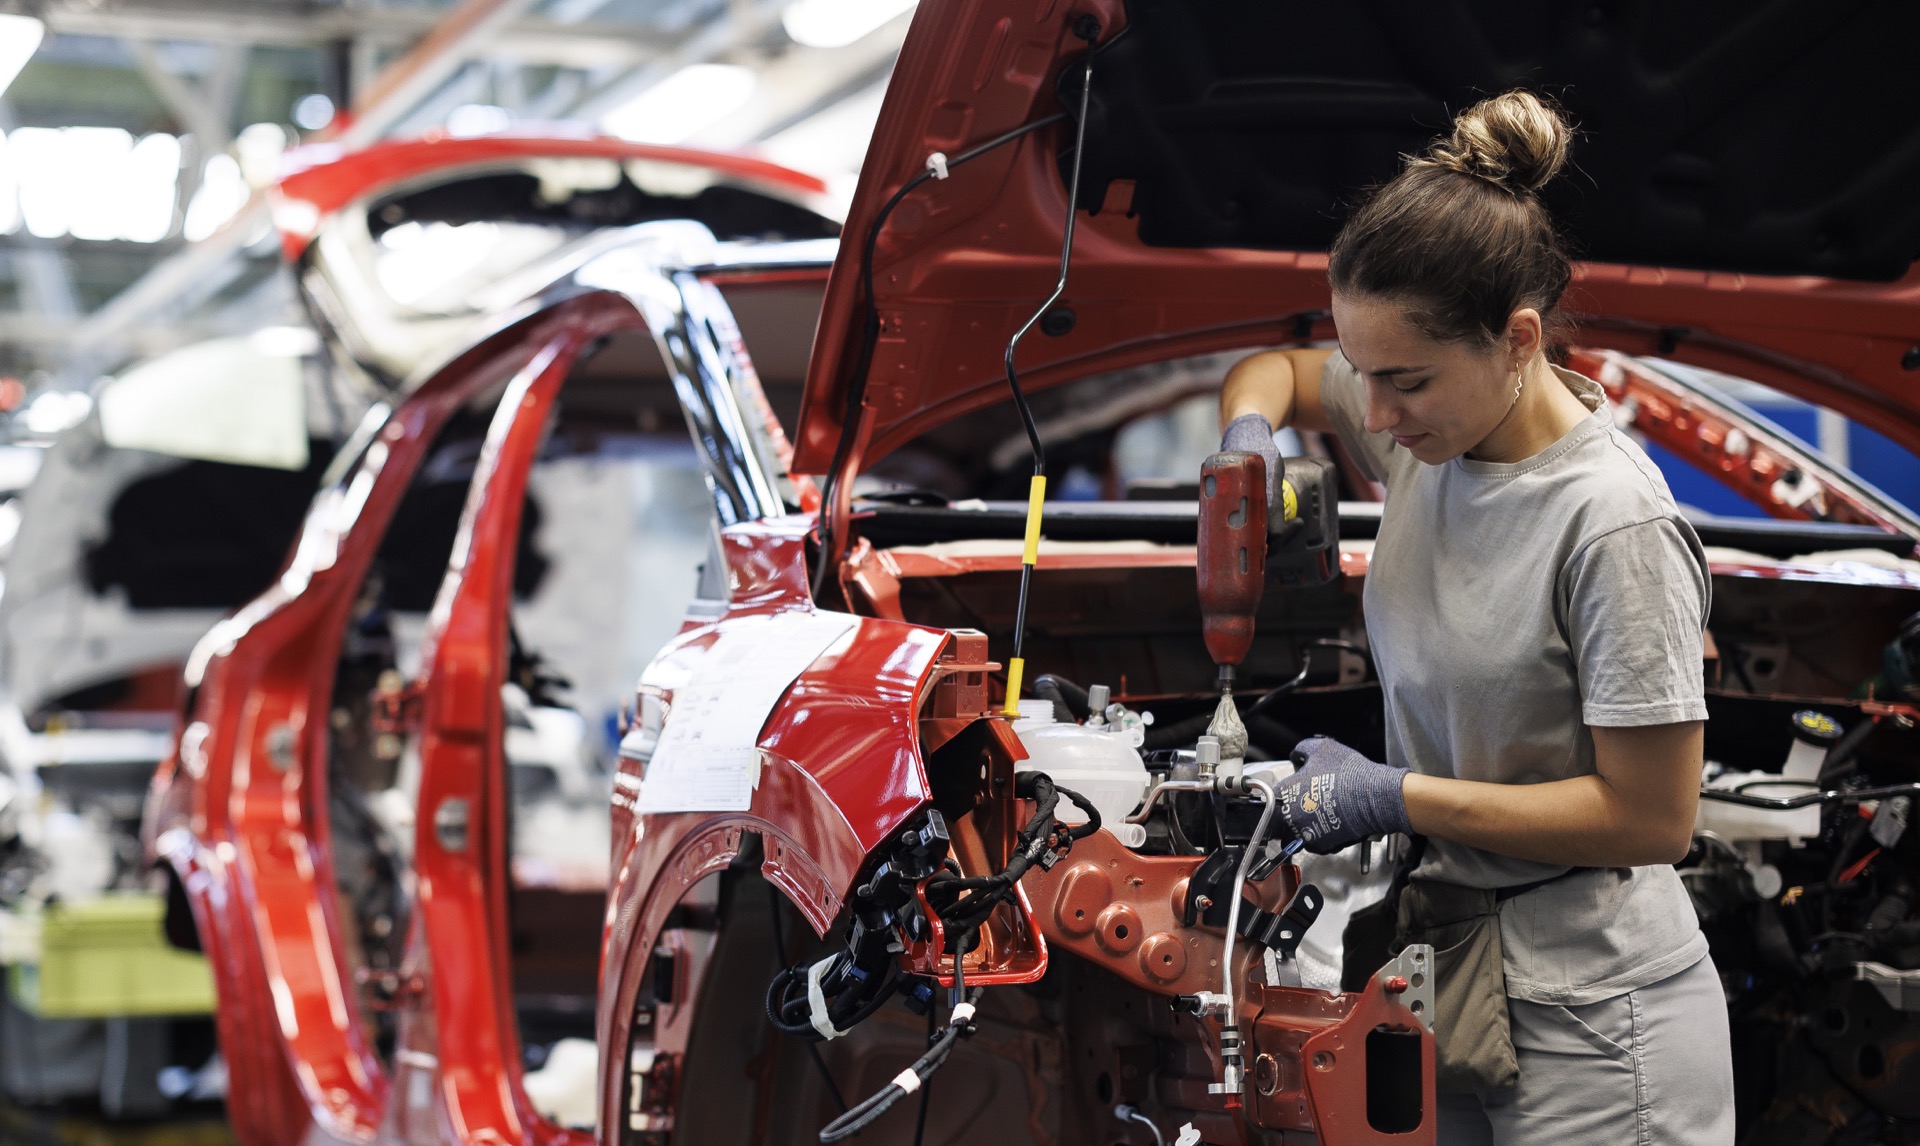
(1836, 1019)
(1167, 959)
(1418, 980)
(1081, 914)
(1120, 931)
(1417, 1006)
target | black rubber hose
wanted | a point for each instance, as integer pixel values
(1070, 697)
(1179, 734)
(1840, 758)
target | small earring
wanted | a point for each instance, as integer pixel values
(1519, 380)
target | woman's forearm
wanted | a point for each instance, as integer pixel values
(1261, 384)
(1585, 821)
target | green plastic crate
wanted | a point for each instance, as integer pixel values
(106, 957)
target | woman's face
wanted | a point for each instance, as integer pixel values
(1438, 399)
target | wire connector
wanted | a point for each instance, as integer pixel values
(937, 163)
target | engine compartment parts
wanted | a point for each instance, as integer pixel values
(1098, 759)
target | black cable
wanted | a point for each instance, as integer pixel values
(870, 1110)
(1300, 678)
(780, 958)
(926, 1091)
(1089, 32)
(870, 335)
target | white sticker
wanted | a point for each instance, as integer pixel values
(1188, 1136)
(708, 759)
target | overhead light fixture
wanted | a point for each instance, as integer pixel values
(19, 39)
(683, 105)
(837, 23)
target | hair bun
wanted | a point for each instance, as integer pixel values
(1514, 140)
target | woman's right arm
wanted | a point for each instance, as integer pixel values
(1282, 386)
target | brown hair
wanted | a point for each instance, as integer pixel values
(1459, 236)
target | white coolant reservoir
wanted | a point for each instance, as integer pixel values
(1813, 734)
(1103, 764)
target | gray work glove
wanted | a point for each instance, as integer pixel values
(1338, 797)
(1253, 434)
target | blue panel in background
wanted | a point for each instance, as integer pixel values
(1876, 459)
(1693, 488)
(1885, 464)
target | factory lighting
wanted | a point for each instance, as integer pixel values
(684, 104)
(471, 119)
(92, 183)
(38, 157)
(19, 40)
(221, 195)
(9, 192)
(837, 23)
(55, 410)
(312, 112)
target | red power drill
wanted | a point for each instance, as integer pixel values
(1243, 540)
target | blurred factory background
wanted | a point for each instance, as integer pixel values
(139, 133)
(143, 284)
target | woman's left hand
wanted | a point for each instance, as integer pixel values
(1338, 797)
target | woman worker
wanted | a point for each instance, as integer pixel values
(1534, 604)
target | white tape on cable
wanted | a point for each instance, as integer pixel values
(962, 1015)
(907, 1080)
(817, 1000)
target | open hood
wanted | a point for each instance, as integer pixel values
(1743, 188)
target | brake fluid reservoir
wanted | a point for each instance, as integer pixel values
(1102, 764)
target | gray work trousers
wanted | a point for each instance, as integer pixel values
(1652, 1067)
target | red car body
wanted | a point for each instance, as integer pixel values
(852, 752)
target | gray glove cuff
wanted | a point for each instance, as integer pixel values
(1250, 434)
(1352, 795)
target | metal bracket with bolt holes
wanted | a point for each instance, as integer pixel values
(1410, 976)
(1901, 989)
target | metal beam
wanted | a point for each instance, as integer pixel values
(746, 22)
(807, 81)
(532, 41)
(194, 110)
(438, 56)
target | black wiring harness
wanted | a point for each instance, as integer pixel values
(964, 904)
(825, 999)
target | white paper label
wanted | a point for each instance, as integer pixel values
(708, 758)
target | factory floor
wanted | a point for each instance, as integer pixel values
(202, 1127)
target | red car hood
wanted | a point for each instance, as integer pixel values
(1743, 189)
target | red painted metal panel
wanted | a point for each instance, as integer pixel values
(321, 179)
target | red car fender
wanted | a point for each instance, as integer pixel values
(841, 773)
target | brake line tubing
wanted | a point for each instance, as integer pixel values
(1037, 488)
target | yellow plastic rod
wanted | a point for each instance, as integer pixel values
(1036, 496)
(1016, 668)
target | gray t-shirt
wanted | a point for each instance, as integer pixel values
(1510, 606)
